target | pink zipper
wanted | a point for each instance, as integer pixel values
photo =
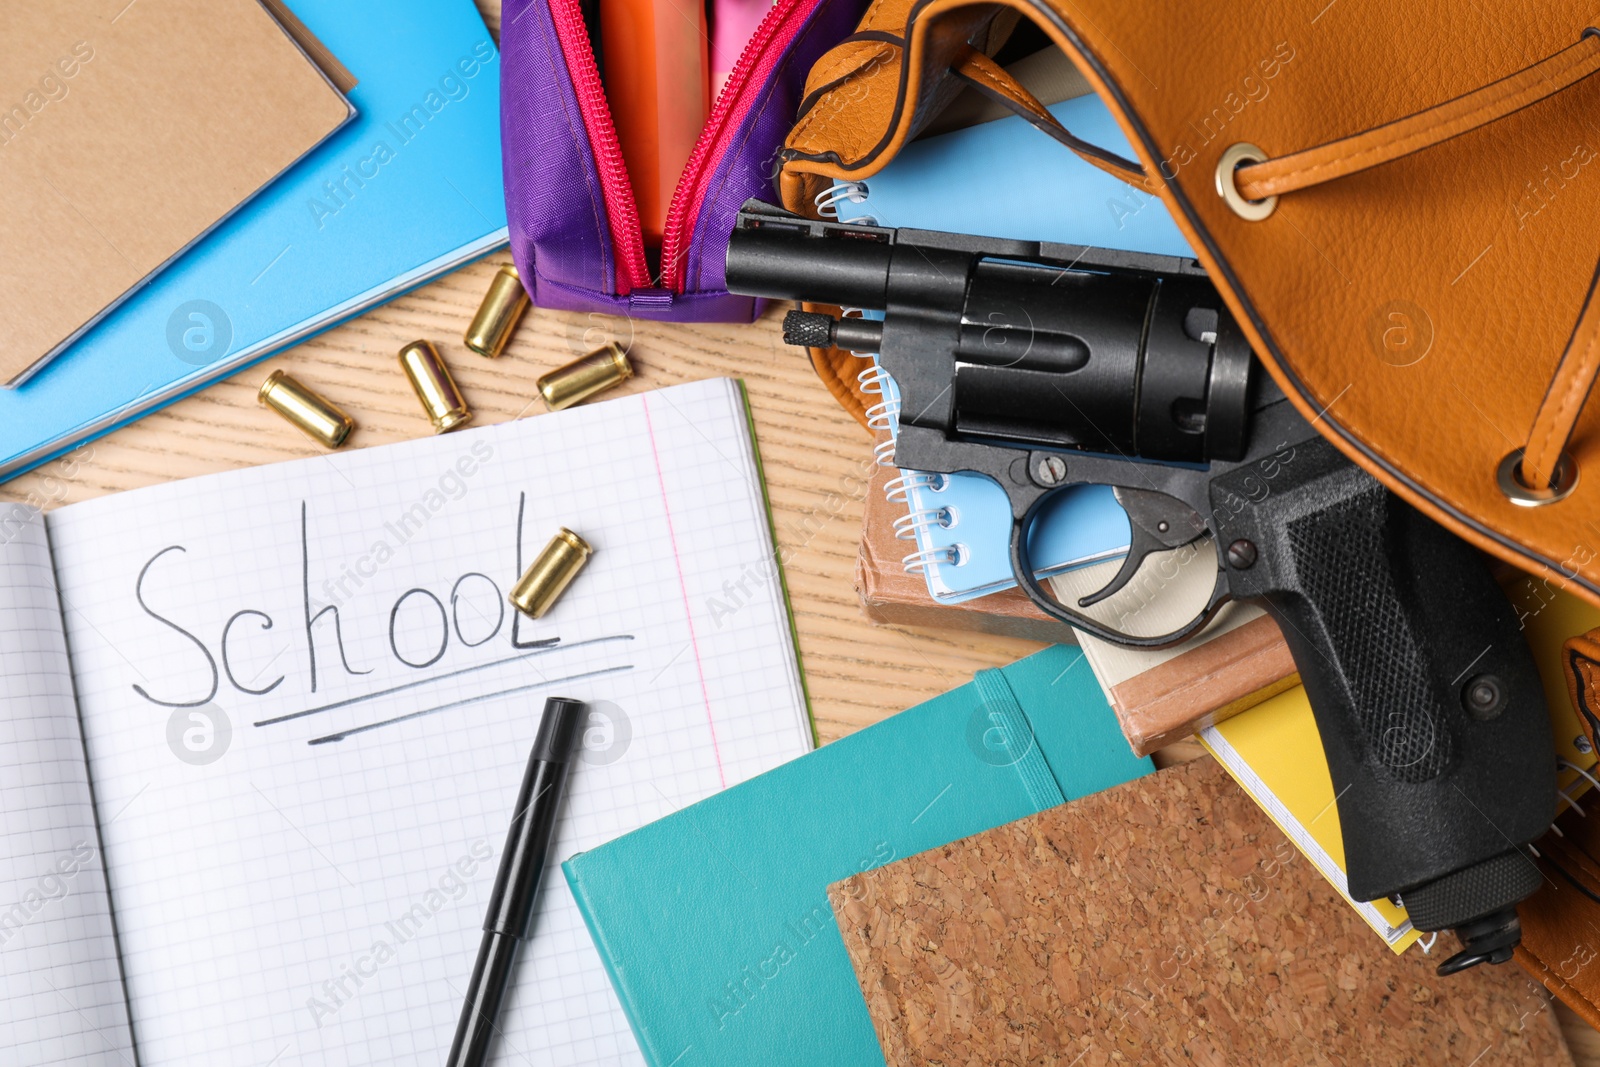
(622, 211)
(766, 45)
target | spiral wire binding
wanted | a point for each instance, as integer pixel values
(907, 526)
(883, 416)
(1567, 765)
(919, 562)
(897, 490)
(880, 416)
(829, 200)
(872, 378)
(1564, 764)
(857, 313)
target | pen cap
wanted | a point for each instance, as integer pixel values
(559, 729)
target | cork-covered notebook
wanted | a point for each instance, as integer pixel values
(1165, 921)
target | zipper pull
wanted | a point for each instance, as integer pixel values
(654, 299)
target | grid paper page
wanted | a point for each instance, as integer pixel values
(301, 871)
(59, 980)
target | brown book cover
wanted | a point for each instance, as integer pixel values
(1159, 696)
(126, 133)
(1164, 921)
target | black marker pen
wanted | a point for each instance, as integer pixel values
(516, 884)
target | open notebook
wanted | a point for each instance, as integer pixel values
(300, 820)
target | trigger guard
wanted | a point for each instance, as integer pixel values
(1022, 571)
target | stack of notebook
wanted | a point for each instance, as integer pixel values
(991, 873)
(143, 259)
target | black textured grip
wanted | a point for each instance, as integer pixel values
(807, 329)
(1458, 898)
(1340, 556)
(1427, 700)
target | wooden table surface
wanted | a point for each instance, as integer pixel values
(816, 459)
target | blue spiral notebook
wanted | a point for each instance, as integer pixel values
(714, 922)
(961, 523)
(407, 191)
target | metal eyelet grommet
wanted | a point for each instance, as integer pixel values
(1231, 161)
(1511, 484)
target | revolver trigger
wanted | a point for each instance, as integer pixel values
(1140, 547)
(1156, 523)
(1168, 522)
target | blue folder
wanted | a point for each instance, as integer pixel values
(714, 922)
(407, 191)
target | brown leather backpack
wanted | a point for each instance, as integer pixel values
(1399, 201)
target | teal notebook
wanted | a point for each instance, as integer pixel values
(714, 922)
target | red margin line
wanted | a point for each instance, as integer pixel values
(683, 587)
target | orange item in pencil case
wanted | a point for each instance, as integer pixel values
(656, 80)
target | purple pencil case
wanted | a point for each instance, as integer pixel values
(575, 233)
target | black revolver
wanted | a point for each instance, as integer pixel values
(1044, 366)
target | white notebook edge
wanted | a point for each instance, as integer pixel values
(24, 533)
(808, 725)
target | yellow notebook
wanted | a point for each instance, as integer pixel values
(1274, 753)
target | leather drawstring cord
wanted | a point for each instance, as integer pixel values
(1384, 144)
(1545, 455)
(995, 82)
(1541, 472)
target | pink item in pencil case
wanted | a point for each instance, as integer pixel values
(733, 24)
